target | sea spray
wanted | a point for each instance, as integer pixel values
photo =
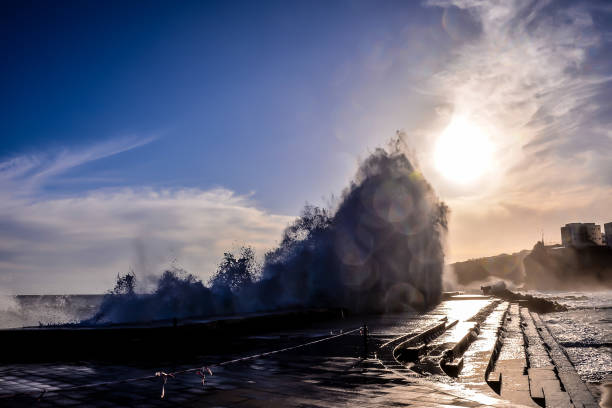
(46, 310)
(380, 250)
(178, 295)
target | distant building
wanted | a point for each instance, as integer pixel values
(608, 231)
(582, 234)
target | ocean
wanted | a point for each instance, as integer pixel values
(585, 330)
(35, 310)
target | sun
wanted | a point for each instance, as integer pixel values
(463, 152)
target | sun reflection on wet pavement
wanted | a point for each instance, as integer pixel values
(331, 373)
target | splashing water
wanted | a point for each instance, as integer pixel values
(34, 310)
(381, 250)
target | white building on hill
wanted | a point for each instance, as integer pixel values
(608, 231)
(582, 234)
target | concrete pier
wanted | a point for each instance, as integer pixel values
(329, 373)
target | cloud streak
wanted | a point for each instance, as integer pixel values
(24, 175)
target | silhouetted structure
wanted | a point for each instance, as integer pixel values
(579, 234)
(608, 231)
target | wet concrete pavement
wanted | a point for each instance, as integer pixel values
(331, 373)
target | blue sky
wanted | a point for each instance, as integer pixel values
(238, 94)
(135, 133)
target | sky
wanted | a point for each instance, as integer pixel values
(146, 134)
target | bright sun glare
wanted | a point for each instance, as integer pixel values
(463, 151)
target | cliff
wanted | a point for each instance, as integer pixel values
(568, 268)
(504, 266)
(550, 268)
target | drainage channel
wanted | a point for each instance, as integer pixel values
(443, 354)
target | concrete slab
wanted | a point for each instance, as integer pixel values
(577, 391)
(329, 374)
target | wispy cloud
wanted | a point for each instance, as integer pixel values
(26, 174)
(80, 242)
(530, 76)
(537, 76)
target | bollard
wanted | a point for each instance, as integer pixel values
(365, 340)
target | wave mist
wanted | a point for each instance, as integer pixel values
(381, 250)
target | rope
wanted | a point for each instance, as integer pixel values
(201, 371)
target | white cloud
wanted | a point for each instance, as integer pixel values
(530, 77)
(525, 75)
(79, 243)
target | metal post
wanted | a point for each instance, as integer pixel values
(365, 340)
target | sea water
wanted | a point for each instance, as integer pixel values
(36, 310)
(584, 331)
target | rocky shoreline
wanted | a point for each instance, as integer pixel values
(533, 303)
